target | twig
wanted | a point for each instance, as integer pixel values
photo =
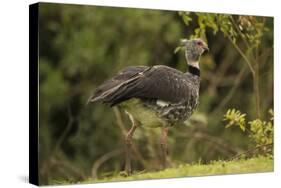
(243, 55)
(242, 35)
(103, 159)
(232, 91)
(250, 151)
(254, 71)
(66, 164)
(219, 75)
(65, 132)
(256, 88)
(218, 143)
(44, 170)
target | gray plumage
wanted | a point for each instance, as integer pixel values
(157, 95)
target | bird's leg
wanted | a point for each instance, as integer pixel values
(163, 144)
(128, 140)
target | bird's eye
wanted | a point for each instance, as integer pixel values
(199, 43)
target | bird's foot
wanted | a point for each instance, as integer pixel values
(128, 168)
(124, 173)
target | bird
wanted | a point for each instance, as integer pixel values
(155, 96)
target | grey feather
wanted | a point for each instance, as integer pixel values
(163, 93)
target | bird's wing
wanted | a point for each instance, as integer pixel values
(115, 81)
(157, 82)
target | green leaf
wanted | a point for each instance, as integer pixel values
(186, 19)
(178, 49)
(242, 127)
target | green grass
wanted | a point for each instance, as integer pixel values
(253, 165)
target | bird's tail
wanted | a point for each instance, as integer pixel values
(91, 99)
(103, 96)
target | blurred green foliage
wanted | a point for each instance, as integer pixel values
(81, 46)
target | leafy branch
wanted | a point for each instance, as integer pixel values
(235, 118)
(260, 132)
(244, 33)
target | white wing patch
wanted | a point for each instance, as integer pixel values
(162, 103)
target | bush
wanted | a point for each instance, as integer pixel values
(260, 132)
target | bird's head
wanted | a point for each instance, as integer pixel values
(194, 48)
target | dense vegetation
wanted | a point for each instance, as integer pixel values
(81, 46)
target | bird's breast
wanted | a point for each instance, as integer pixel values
(158, 113)
(147, 116)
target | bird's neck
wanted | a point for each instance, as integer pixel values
(192, 60)
(193, 68)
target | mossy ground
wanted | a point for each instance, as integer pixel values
(253, 165)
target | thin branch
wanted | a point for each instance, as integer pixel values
(242, 35)
(230, 94)
(220, 144)
(65, 132)
(103, 159)
(250, 151)
(243, 55)
(65, 164)
(219, 75)
(46, 165)
(257, 90)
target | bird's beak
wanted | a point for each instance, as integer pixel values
(205, 48)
